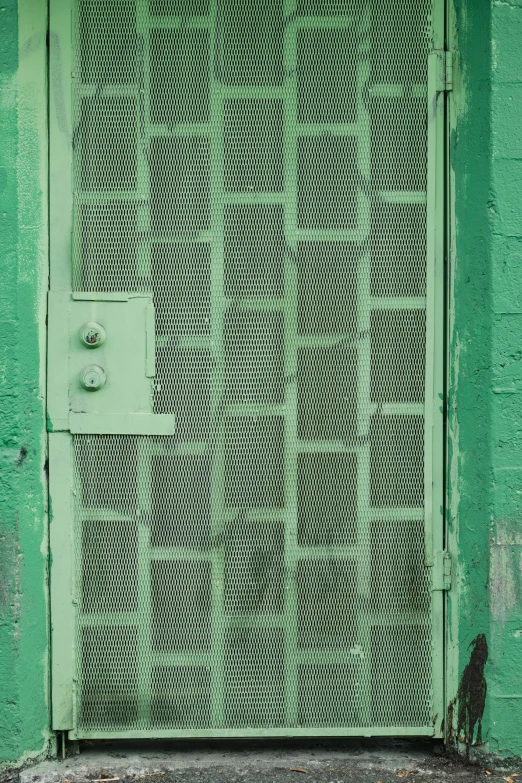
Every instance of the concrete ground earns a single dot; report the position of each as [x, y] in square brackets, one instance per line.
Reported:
[335, 761]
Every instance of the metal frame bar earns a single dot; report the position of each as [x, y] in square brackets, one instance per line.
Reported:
[63, 598]
[62, 582]
[291, 681]
[320, 731]
[121, 424]
[145, 656]
[451, 617]
[60, 144]
[218, 392]
[434, 416]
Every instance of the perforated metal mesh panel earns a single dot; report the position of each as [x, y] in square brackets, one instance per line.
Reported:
[260, 168]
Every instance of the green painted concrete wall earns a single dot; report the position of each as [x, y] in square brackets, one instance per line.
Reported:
[485, 372]
[484, 454]
[469, 362]
[505, 390]
[24, 649]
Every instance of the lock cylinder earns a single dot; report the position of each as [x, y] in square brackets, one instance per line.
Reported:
[93, 377]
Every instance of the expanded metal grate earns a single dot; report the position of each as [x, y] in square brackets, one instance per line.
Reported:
[260, 168]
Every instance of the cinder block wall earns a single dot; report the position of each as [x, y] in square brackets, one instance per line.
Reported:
[484, 684]
[505, 391]
[24, 652]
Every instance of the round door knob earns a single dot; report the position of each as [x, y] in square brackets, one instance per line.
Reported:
[93, 377]
[92, 334]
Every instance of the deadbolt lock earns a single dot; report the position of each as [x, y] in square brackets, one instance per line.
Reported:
[93, 377]
[92, 334]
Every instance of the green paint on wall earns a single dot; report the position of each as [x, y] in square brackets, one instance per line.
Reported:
[24, 700]
[469, 376]
[505, 636]
[485, 480]
[8, 38]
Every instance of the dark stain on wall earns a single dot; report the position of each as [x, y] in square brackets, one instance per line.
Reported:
[21, 457]
[472, 693]
[449, 725]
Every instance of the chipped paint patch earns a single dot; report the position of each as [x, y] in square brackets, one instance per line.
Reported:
[9, 572]
[502, 584]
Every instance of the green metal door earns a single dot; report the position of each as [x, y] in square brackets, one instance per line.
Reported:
[245, 353]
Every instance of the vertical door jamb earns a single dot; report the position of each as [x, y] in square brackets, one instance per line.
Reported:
[63, 636]
[434, 416]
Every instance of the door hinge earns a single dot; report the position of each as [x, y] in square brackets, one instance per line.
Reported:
[443, 67]
[441, 570]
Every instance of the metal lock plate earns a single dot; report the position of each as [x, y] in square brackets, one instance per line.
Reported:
[121, 329]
